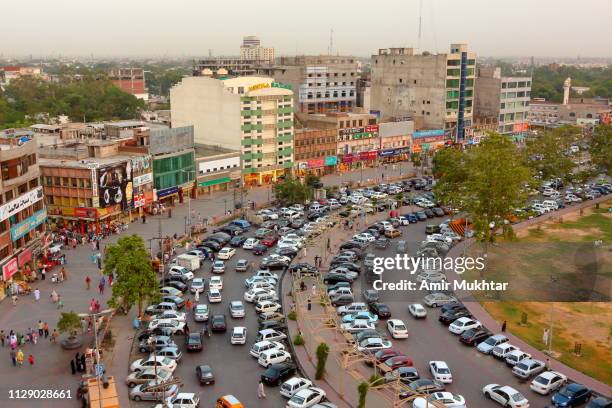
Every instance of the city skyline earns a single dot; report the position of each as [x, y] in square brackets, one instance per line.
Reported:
[195, 29]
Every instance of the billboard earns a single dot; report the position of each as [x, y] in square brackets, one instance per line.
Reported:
[24, 201]
[115, 185]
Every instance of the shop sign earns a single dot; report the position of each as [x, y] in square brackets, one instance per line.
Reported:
[143, 179]
[316, 163]
[428, 139]
[84, 212]
[28, 225]
[9, 269]
[269, 85]
[141, 163]
[331, 160]
[167, 191]
[388, 152]
[24, 257]
[371, 128]
[349, 158]
[94, 184]
[427, 133]
[139, 200]
[20, 203]
[115, 184]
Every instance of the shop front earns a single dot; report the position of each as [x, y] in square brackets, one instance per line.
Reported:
[428, 140]
[208, 185]
[167, 196]
[352, 161]
[394, 155]
[257, 177]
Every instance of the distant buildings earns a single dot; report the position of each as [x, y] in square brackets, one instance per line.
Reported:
[130, 80]
[437, 91]
[250, 114]
[578, 111]
[221, 67]
[9, 73]
[252, 50]
[315, 150]
[504, 98]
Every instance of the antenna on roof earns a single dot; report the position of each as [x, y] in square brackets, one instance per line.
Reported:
[420, 21]
[331, 41]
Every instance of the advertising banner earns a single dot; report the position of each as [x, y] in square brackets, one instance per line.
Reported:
[24, 257]
[167, 191]
[331, 160]
[20, 203]
[146, 178]
[115, 185]
[27, 225]
[316, 163]
[83, 212]
[9, 269]
[139, 200]
[427, 133]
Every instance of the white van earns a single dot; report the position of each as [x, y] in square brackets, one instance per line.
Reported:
[503, 350]
[271, 335]
[262, 346]
[552, 204]
[274, 356]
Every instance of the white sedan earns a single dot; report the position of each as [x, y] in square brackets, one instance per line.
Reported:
[547, 382]
[506, 396]
[397, 328]
[463, 324]
[159, 361]
[364, 236]
[216, 282]
[214, 295]
[417, 310]
[306, 398]
[176, 326]
[440, 371]
[250, 243]
[226, 253]
[448, 399]
[197, 285]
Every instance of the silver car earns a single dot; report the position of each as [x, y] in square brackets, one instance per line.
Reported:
[143, 377]
[236, 309]
[152, 392]
[200, 312]
[171, 352]
[438, 299]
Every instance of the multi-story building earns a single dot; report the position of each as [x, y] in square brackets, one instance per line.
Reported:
[435, 89]
[9, 73]
[130, 80]
[22, 210]
[225, 66]
[578, 111]
[395, 138]
[218, 169]
[315, 150]
[253, 115]
[321, 83]
[506, 98]
[252, 50]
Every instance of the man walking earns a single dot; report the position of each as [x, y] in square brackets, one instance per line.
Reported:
[260, 390]
[41, 328]
[36, 294]
[14, 357]
[102, 284]
[46, 329]
[87, 282]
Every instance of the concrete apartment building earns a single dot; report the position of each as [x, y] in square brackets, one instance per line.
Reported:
[320, 83]
[225, 66]
[252, 50]
[436, 90]
[506, 98]
[218, 169]
[130, 80]
[315, 150]
[250, 114]
[395, 140]
[22, 210]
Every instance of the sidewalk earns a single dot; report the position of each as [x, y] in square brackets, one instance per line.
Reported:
[487, 320]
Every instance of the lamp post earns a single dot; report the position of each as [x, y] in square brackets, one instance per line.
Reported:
[188, 218]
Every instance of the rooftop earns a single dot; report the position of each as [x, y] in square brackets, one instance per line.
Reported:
[209, 150]
[88, 163]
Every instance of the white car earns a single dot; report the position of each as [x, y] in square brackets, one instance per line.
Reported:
[306, 398]
[548, 382]
[528, 368]
[250, 243]
[200, 312]
[218, 267]
[397, 328]
[264, 273]
[431, 277]
[516, 356]
[357, 326]
[252, 294]
[274, 356]
[239, 335]
[236, 308]
[264, 345]
[267, 214]
[171, 314]
[373, 344]
[176, 326]
[159, 361]
[183, 400]
[215, 282]
[197, 285]
[506, 396]
[267, 306]
[214, 295]
[462, 324]
[365, 237]
[440, 371]
[294, 385]
[438, 299]
[226, 253]
[417, 310]
[180, 271]
[447, 399]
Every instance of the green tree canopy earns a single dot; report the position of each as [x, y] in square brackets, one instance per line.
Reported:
[69, 323]
[292, 191]
[547, 153]
[135, 280]
[601, 147]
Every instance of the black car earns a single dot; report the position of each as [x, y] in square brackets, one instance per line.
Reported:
[429, 213]
[210, 245]
[382, 243]
[177, 300]
[314, 215]
[237, 241]
[332, 278]
[274, 264]
[405, 374]
[260, 249]
[352, 244]
[218, 323]
[205, 375]
[278, 373]
[278, 325]
[373, 231]
[378, 227]
[173, 278]
[221, 237]
[231, 230]
[421, 215]
[340, 259]
[303, 268]
[158, 331]
[474, 336]
[367, 334]
[448, 317]
[193, 342]
[599, 402]
[451, 306]
[380, 309]
[290, 252]
[370, 295]
[176, 285]
[439, 212]
[297, 224]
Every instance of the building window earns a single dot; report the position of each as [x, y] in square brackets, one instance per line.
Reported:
[401, 80]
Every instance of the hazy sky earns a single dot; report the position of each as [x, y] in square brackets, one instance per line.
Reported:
[192, 27]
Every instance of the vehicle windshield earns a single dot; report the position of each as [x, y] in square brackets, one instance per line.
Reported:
[541, 380]
[566, 392]
[166, 361]
[490, 341]
[400, 327]
[518, 397]
[298, 400]
[443, 371]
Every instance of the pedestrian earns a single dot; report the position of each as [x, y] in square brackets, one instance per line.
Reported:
[64, 273]
[82, 361]
[14, 299]
[74, 243]
[101, 285]
[46, 329]
[36, 294]
[54, 336]
[110, 279]
[186, 329]
[197, 296]
[98, 244]
[188, 305]
[72, 367]
[14, 357]
[60, 302]
[54, 296]
[2, 338]
[87, 282]
[313, 291]
[20, 357]
[548, 363]
[302, 286]
[503, 326]
[31, 360]
[41, 328]
[545, 336]
[260, 390]
[169, 212]
[43, 274]
[99, 262]
[309, 305]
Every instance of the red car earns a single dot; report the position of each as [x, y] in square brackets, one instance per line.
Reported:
[323, 201]
[270, 240]
[398, 361]
[384, 355]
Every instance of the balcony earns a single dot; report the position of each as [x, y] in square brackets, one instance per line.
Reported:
[250, 142]
[285, 124]
[250, 127]
[32, 173]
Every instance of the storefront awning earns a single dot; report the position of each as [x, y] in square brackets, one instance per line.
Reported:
[214, 182]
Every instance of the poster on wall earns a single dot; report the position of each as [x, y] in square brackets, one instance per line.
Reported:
[115, 185]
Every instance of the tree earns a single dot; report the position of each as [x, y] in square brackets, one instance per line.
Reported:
[69, 323]
[292, 191]
[135, 280]
[451, 168]
[547, 153]
[322, 353]
[313, 181]
[601, 148]
[362, 389]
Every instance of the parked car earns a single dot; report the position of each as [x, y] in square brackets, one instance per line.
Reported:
[151, 391]
[306, 398]
[547, 382]
[528, 368]
[397, 328]
[236, 308]
[193, 342]
[381, 310]
[506, 396]
[571, 395]
[144, 376]
[205, 374]
[239, 335]
[490, 343]
[218, 323]
[440, 371]
[200, 312]
[417, 310]
[293, 385]
[275, 374]
[474, 336]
